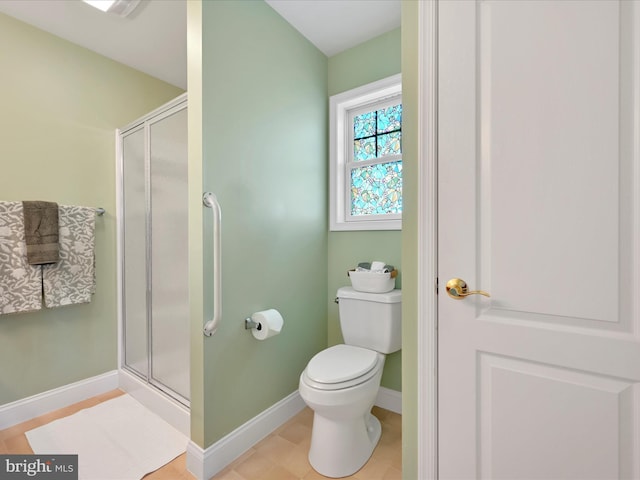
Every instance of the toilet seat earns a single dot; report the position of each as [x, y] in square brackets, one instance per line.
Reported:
[341, 366]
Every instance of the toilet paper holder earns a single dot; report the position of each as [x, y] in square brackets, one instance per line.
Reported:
[264, 324]
[250, 324]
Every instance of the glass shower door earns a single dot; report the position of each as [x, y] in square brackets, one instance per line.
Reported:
[169, 253]
[134, 265]
[155, 303]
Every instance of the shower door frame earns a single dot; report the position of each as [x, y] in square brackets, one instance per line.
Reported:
[144, 123]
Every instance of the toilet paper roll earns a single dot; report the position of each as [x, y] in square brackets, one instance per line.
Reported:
[269, 323]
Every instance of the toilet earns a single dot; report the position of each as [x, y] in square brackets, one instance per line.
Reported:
[340, 383]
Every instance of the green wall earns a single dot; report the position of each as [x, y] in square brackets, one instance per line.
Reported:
[373, 60]
[410, 241]
[60, 107]
[264, 90]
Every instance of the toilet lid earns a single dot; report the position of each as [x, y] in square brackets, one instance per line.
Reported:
[341, 363]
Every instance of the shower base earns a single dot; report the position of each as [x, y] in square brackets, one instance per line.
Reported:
[173, 412]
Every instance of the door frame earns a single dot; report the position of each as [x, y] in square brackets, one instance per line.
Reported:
[427, 223]
[427, 229]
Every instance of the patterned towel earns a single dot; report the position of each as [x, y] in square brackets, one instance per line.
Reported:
[20, 283]
[72, 280]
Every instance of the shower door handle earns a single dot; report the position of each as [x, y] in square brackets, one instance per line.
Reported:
[210, 200]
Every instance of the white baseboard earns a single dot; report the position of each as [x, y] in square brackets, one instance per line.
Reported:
[36, 405]
[204, 464]
[389, 400]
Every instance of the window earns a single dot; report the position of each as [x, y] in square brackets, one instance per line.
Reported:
[366, 157]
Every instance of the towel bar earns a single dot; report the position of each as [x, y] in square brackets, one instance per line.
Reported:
[100, 211]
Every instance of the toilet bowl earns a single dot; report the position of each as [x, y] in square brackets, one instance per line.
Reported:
[340, 385]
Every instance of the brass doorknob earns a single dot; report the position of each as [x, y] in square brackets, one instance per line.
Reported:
[457, 289]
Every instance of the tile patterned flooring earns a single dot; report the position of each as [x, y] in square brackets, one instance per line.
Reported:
[280, 456]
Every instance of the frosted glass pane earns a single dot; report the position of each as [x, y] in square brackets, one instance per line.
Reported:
[364, 149]
[377, 189]
[389, 119]
[135, 253]
[364, 125]
[389, 144]
[169, 253]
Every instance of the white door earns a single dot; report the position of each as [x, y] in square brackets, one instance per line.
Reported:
[539, 205]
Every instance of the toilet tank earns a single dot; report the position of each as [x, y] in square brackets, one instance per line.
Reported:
[371, 320]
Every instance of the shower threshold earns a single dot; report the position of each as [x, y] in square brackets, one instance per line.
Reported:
[169, 409]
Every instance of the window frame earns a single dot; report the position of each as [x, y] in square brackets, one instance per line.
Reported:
[342, 108]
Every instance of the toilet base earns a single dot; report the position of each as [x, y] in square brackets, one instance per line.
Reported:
[340, 448]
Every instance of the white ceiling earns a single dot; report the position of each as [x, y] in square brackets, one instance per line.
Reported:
[336, 25]
[153, 39]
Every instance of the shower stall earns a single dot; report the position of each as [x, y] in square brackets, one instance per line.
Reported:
[153, 263]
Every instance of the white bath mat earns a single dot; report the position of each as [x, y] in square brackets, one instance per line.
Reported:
[116, 440]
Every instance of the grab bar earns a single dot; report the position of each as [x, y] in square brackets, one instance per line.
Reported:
[210, 200]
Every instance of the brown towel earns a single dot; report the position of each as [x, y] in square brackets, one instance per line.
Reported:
[41, 231]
